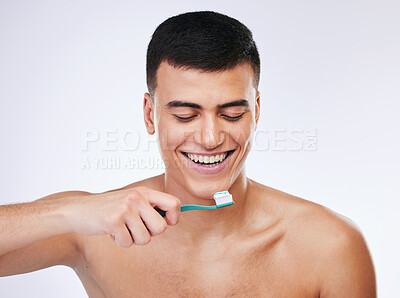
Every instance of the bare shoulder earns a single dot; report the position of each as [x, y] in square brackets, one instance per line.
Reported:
[329, 244]
[344, 262]
[309, 220]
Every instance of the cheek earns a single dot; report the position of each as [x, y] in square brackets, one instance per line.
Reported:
[243, 135]
[170, 135]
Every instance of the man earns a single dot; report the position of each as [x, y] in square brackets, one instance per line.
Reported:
[202, 73]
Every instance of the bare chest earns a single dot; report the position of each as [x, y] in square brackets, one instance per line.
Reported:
[153, 271]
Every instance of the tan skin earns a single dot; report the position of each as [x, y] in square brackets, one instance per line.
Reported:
[268, 244]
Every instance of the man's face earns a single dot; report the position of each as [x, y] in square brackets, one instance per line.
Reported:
[205, 123]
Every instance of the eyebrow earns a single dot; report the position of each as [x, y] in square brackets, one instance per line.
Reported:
[235, 103]
[178, 103]
[241, 102]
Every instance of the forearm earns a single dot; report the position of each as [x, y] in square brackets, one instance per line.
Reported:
[26, 223]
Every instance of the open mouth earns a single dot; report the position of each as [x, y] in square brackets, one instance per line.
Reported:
[207, 160]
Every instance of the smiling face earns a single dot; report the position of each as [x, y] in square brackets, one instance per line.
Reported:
[205, 123]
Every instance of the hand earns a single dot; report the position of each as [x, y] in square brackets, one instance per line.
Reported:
[128, 216]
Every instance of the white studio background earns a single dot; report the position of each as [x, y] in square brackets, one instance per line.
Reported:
[70, 70]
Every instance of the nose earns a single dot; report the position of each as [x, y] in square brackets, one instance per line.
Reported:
[211, 135]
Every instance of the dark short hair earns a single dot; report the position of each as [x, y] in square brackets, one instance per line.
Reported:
[203, 40]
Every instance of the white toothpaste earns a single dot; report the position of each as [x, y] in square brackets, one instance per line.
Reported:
[222, 197]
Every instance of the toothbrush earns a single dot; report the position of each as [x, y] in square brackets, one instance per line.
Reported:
[222, 199]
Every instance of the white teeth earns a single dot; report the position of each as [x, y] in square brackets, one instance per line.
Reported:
[207, 159]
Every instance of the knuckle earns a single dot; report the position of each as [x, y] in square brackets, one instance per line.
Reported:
[121, 240]
[132, 203]
[144, 240]
[147, 240]
[177, 203]
[117, 242]
[175, 221]
[127, 243]
[136, 197]
[161, 228]
[133, 196]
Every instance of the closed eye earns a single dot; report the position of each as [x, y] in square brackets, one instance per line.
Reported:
[185, 119]
[229, 118]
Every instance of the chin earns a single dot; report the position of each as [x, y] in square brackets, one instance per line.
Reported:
[207, 189]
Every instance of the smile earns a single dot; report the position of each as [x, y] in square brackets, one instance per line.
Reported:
[207, 160]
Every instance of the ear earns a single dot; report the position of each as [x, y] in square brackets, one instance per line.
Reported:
[257, 107]
[148, 113]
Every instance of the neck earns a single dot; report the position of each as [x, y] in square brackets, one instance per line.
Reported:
[199, 226]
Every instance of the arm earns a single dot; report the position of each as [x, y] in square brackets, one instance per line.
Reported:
[43, 233]
[348, 270]
[32, 239]
[26, 223]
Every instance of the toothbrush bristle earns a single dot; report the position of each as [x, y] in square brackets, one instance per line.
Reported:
[222, 197]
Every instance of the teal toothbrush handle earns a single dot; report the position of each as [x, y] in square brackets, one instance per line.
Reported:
[198, 207]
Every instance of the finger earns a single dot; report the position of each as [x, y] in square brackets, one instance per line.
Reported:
[122, 236]
[153, 221]
[138, 230]
[169, 203]
[172, 215]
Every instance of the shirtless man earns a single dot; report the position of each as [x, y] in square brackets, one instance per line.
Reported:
[202, 74]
